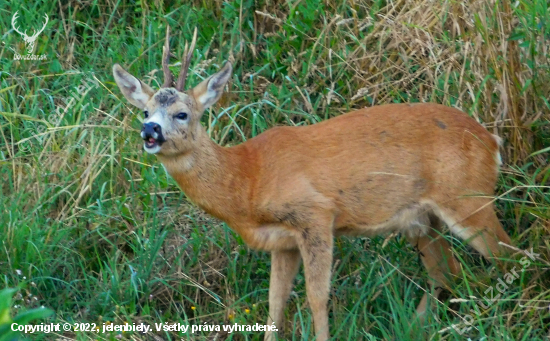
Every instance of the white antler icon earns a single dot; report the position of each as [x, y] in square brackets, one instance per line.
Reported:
[29, 41]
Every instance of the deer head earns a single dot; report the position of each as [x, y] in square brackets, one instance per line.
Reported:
[29, 41]
[172, 116]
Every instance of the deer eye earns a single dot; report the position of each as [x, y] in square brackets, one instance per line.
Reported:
[181, 116]
[146, 113]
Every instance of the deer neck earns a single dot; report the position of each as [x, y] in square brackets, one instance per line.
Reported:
[213, 177]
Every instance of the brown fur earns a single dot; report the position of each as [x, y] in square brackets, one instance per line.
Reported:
[391, 168]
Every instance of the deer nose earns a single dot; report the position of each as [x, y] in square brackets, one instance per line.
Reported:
[149, 130]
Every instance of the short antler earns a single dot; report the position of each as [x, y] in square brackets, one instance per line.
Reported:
[186, 60]
[187, 54]
[168, 78]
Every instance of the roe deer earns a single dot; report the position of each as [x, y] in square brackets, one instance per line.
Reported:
[391, 168]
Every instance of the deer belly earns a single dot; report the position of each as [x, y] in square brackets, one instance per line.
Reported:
[270, 238]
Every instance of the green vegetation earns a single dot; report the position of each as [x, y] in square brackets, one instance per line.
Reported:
[96, 231]
[24, 318]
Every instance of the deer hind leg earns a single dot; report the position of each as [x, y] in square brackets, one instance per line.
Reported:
[474, 220]
[284, 266]
[438, 260]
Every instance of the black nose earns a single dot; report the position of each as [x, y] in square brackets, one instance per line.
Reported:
[149, 130]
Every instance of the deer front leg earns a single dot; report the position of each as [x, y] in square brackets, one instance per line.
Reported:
[316, 250]
[284, 266]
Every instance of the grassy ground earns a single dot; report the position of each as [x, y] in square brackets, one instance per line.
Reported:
[94, 228]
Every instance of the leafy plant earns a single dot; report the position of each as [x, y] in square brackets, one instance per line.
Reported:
[21, 319]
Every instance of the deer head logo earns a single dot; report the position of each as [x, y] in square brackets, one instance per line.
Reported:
[29, 40]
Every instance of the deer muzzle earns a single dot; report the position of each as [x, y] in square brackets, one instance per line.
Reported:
[151, 133]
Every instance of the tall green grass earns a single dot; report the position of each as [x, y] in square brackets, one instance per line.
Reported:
[99, 232]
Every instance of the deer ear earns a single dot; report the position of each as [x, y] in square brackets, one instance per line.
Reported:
[209, 91]
[135, 91]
